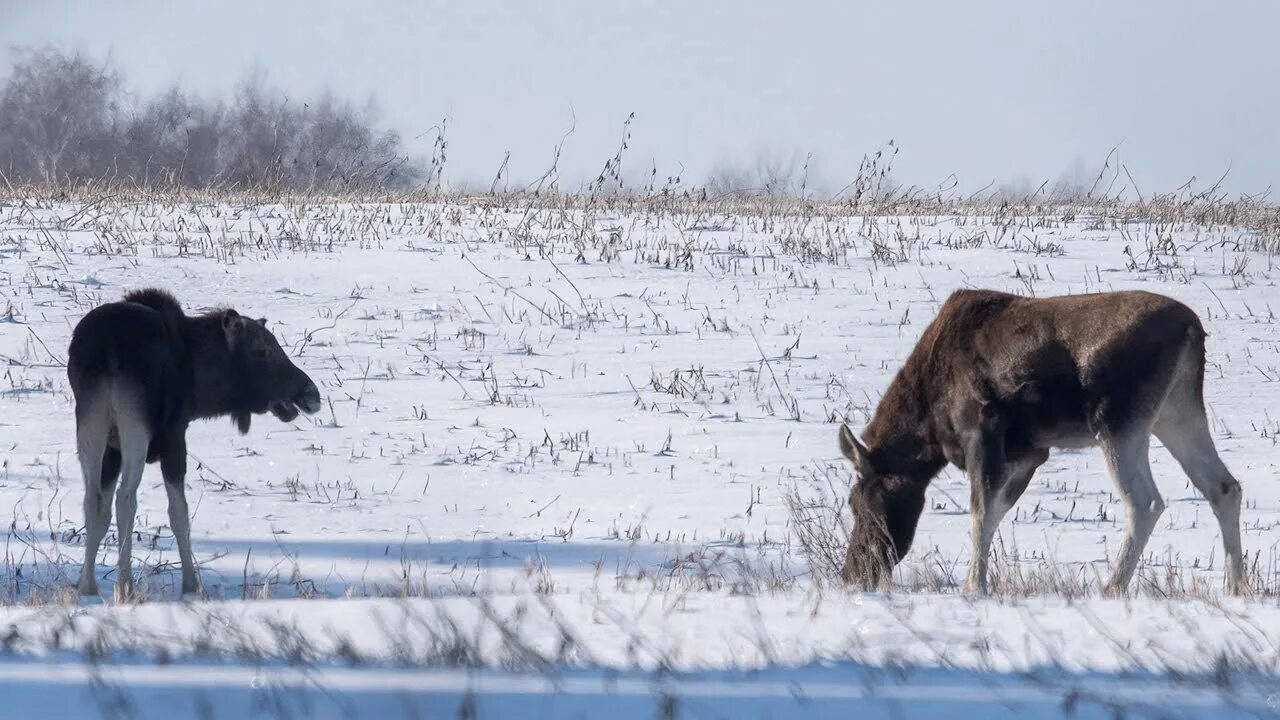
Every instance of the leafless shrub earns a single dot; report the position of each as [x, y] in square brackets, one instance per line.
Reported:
[820, 524]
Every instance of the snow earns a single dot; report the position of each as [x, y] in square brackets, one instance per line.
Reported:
[547, 424]
[835, 692]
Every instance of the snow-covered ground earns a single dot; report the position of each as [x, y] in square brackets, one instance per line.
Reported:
[552, 472]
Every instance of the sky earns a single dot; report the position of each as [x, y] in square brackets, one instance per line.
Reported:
[1002, 90]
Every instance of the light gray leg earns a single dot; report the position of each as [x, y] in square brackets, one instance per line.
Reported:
[174, 467]
[92, 426]
[985, 511]
[134, 441]
[96, 529]
[990, 508]
[1186, 436]
[1130, 468]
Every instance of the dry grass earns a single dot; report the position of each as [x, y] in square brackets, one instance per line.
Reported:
[794, 216]
[820, 523]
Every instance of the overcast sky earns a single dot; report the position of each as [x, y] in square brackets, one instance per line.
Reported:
[994, 90]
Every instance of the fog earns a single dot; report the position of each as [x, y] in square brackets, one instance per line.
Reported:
[999, 91]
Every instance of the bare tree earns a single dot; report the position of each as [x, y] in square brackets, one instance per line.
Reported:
[261, 127]
[340, 146]
[58, 116]
[770, 174]
[173, 139]
[61, 119]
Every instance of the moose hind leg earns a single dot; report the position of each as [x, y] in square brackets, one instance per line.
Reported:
[173, 465]
[98, 464]
[98, 507]
[1185, 433]
[134, 441]
[1130, 469]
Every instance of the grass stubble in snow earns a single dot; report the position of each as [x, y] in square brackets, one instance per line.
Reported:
[579, 459]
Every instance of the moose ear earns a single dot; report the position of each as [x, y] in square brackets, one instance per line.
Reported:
[857, 453]
[231, 323]
[262, 322]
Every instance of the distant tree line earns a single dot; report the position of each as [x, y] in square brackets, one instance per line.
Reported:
[65, 118]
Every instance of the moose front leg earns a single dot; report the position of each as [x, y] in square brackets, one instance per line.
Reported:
[173, 465]
[991, 508]
[996, 481]
[986, 481]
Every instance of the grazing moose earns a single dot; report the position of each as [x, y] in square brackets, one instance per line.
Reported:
[141, 370]
[997, 380]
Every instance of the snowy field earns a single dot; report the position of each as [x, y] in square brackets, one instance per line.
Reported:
[566, 457]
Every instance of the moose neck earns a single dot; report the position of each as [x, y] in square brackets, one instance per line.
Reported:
[901, 437]
[214, 390]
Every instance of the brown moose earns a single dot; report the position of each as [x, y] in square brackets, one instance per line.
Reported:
[997, 380]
